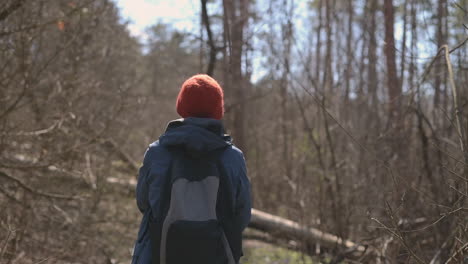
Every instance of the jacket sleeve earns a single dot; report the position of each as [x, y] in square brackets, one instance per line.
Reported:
[142, 187]
[243, 200]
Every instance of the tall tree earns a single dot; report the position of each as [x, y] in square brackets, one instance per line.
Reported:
[349, 51]
[209, 33]
[372, 75]
[440, 75]
[287, 36]
[393, 83]
[236, 13]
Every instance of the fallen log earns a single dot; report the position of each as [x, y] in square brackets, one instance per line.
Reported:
[282, 227]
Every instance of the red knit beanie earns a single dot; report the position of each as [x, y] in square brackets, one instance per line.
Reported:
[200, 96]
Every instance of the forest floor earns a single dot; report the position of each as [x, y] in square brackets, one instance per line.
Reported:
[257, 252]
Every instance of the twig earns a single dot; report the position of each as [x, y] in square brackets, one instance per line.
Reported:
[454, 173]
[455, 97]
[435, 222]
[43, 260]
[456, 253]
[449, 155]
[10, 9]
[426, 72]
[458, 191]
[12, 198]
[113, 147]
[50, 22]
[459, 6]
[33, 133]
[229, 107]
[436, 257]
[416, 257]
[6, 242]
[31, 190]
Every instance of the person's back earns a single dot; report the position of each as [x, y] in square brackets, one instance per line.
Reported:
[193, 173]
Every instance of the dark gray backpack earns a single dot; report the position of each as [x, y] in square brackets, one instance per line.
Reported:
[189, 231]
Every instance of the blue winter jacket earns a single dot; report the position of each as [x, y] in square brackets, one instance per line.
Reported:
[195, 135]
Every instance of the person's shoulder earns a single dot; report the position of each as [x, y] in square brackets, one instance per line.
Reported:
[233, 152]
[236, 150]
[154, 145]
[234, 162]
[157, 155]
[155, 148]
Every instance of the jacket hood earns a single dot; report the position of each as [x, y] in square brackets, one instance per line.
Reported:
[195, 135]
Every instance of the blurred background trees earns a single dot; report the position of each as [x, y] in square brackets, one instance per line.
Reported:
[353, 116]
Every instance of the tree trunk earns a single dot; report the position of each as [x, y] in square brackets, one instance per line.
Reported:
[287, 31]
[211, 44]
[237, 17]
[393, 84]
[403, 44]
[372, 55]
[349, 56]
[440, 42]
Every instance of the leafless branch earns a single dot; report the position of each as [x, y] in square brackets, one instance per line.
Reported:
[31, 190]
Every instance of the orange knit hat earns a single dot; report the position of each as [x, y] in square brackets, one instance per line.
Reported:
[200, 96]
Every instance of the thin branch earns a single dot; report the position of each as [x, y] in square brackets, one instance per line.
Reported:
[458, 191]
[454, 173]
[12, 198]
[455, 98]
[113, 147]
[231, 106]
[50, 22]
[12, 8]
[460, 250]
[31, 190]
[459, 6]
[438, 54]
[449, 155]
[10, 232]
[33, 133]
[435, 222]
[395, 234]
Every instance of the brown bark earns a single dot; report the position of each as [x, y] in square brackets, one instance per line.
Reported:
[237, 17]
[327, 77]
[287, 31]
[10, 9]
[414, 39]
[318, 53]
[393, 83]
[440, 42]
[213, 48]
[403, 44]
[372, 55]
[349, 51]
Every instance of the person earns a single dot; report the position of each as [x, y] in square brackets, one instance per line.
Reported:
[190, 145]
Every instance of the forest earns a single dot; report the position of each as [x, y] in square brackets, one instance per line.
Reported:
[352, 116]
